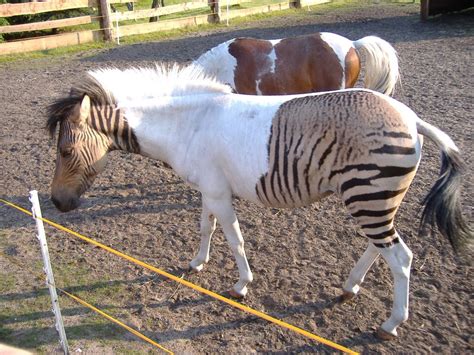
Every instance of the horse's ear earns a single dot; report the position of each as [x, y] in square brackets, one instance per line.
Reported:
[85, 108]
[81, 111]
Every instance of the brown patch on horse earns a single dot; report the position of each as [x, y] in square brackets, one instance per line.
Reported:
[352, 68]
[299, 63]
[297, 69]
[252, 58]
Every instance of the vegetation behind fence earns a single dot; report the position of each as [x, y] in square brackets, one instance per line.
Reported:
[48, 24]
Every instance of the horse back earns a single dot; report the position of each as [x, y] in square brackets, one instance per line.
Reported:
[310, 63]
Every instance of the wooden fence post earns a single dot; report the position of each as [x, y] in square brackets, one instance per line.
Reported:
[105, 21]
[215, 16]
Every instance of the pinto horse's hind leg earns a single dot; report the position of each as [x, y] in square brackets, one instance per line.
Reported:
[356, 277]
[223, 210]
[399, 258]
[208, 226]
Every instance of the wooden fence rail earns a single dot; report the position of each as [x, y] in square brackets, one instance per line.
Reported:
[32, 8]
[110, 26]
[139, 14]
[46, 25]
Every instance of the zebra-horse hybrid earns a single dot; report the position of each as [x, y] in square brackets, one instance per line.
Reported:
[278, 151]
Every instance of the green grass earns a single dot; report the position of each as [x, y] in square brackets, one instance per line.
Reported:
[26, 319]
[23, 317]
[57, 52]
[32, 315]
[7, 282]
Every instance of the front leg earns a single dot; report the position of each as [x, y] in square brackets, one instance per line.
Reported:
[223, 210]
[208, 226]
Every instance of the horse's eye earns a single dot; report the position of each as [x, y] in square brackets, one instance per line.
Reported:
[66, 152]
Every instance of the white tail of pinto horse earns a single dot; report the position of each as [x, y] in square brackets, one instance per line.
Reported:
[381, 70]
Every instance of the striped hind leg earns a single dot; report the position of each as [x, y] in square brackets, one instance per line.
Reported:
[398, 257]
[384, 240]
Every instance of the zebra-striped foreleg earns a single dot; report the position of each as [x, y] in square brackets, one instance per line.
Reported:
[208, 226]
[356, 277]
[399, 258]
[223, 210]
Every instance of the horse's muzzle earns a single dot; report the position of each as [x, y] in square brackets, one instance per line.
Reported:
[66, 205]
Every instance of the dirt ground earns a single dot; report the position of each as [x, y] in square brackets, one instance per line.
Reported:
[300, 258]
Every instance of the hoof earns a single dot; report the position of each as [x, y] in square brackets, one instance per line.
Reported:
[346, 297]
[194, 270]
[234, 294]
[384, 335]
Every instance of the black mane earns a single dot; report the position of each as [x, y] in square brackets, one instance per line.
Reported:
[61, 108]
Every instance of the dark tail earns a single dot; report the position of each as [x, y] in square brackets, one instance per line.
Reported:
[442, 204]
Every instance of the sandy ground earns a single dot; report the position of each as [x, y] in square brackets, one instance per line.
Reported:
[300, 258]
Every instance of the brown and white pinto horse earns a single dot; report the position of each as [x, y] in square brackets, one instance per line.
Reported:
[310, 63]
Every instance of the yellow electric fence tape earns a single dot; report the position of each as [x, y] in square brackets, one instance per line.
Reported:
[193, 286]
[84, 303]
[131, 330]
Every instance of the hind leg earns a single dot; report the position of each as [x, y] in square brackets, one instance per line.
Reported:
[384, 240]
[398, 258]
[356, 277]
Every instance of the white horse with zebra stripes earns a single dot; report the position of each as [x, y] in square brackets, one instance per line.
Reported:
[276, 151]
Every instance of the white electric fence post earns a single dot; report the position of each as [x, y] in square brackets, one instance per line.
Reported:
[227, 14]
[117, 27]
[48, 270]
[219, 10]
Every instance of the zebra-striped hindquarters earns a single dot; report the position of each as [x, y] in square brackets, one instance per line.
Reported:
[319, 145]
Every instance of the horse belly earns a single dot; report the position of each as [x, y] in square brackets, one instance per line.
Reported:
[243, 146]
[294, 203]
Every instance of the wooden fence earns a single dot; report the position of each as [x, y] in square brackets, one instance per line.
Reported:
[110, 25]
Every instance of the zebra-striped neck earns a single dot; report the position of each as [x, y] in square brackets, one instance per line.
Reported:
[110, 121]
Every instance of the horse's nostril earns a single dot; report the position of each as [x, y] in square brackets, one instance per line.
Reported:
[65, 206]
[74, 203]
